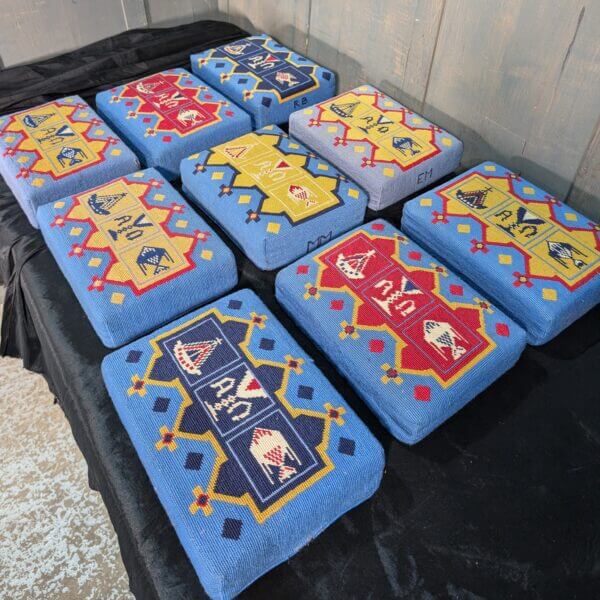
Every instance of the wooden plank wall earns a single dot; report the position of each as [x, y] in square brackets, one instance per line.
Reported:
[517, 80]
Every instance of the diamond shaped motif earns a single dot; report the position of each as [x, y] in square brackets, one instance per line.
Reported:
[133, 356]
[266, 344]
[234, 304]
[346, 446]
[422, 393]
[305, 392]
[376, 346]
[193, 461]
[502, 329]
[117, 298]
[337, 304]
[232, 529]
[95, 262]
[161, 404]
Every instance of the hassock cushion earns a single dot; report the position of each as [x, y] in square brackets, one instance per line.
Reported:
[267, 79]
[135, 254]
[250, 449]
[388, 149]
[275, 198]
[167, 116]
[535, 256]
[58, 149]
[415, 341]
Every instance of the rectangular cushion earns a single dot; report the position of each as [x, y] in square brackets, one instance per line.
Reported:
[135, 254]
[57, 149]
[388, 149]
[250, 449]
[265, 78]
[536, 257]
[415, 341]
[169, 115]
[276, 199]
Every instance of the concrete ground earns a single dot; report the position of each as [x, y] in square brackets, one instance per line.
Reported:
[56, 540]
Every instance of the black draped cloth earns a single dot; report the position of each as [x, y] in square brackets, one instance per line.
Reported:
[502, 501]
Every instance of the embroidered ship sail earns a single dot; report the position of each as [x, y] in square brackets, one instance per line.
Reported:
[192, 356]
[101, 204]
[34, 121]
[475, 198]
[344, 110]
[237, 151]
[147, 87]
[353, 266]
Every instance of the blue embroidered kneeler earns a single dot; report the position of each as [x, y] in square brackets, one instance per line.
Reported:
[535, 256]
[57, 149]
[265, 78]
[415, 341]
[389, 150]
[169, 115]
[251, 451]
[275, 198]
[135, 254]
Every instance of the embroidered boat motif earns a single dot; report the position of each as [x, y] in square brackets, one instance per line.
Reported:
[34, 121]
[353, 266]
[474, 198]
[192, 356]
[101, 204]
[345, 110]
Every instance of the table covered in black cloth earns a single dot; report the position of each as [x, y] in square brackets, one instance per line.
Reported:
[502, 501]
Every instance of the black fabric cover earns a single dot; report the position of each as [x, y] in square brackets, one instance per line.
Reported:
[501, 501]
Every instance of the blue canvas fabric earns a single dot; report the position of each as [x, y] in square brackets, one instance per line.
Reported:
[135, 254]
[251, 451]
[57, 149]
[415, 341]
[265, 78]
[275, 198]
[168, 115]
[535, 256]
[385, 147]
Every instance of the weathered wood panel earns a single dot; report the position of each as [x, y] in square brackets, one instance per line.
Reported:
[286, 20]
[32, 29]
[384, 42]
[165, 13]
[585, 192]
[519, 82]
[135, 15]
